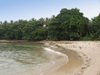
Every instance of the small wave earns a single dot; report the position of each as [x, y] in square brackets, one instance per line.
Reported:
[56, 52]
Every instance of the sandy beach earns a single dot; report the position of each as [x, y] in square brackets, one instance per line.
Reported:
[90, 53]
[83, 58]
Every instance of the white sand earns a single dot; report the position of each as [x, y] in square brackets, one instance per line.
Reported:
[90, 51]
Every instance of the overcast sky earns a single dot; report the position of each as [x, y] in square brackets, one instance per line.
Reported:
[27, 9]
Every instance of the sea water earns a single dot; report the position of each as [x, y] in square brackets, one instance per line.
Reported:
[25, 58]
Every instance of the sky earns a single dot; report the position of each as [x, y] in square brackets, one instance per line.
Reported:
[27, 9]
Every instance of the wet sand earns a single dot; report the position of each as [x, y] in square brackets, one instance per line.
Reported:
[84, 58]
[74, 64]
[89, 51]
[64, 61]
[86, 51]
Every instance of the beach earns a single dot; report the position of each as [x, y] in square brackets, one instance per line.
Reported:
[90, 53]
[71, 58]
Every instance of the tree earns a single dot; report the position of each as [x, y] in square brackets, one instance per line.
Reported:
[96, 27]
[68, 25]
[34, 30]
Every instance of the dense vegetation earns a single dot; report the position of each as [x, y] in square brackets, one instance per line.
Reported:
[69, 24]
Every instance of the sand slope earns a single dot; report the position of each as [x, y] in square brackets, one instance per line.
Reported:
[90, 51]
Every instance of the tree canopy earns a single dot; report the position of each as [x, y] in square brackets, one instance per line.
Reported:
[69, 24]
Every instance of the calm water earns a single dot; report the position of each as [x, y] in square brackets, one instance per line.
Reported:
[22, 58]
[30, 58]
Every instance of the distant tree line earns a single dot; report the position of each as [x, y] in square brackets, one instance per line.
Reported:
[69, 24]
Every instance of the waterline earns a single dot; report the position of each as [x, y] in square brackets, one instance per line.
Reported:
[58, 53]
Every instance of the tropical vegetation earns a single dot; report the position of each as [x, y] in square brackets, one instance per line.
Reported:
[69, 24]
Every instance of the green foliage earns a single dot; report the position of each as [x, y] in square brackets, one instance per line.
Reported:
[95, 27]
[34, 30]
[23, 30]
[69, 24]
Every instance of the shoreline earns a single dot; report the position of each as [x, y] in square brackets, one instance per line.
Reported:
[75, 60]
[48, 41]
[78, 70]
[89, 51]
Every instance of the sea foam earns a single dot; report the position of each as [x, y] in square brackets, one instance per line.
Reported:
[56, 52]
